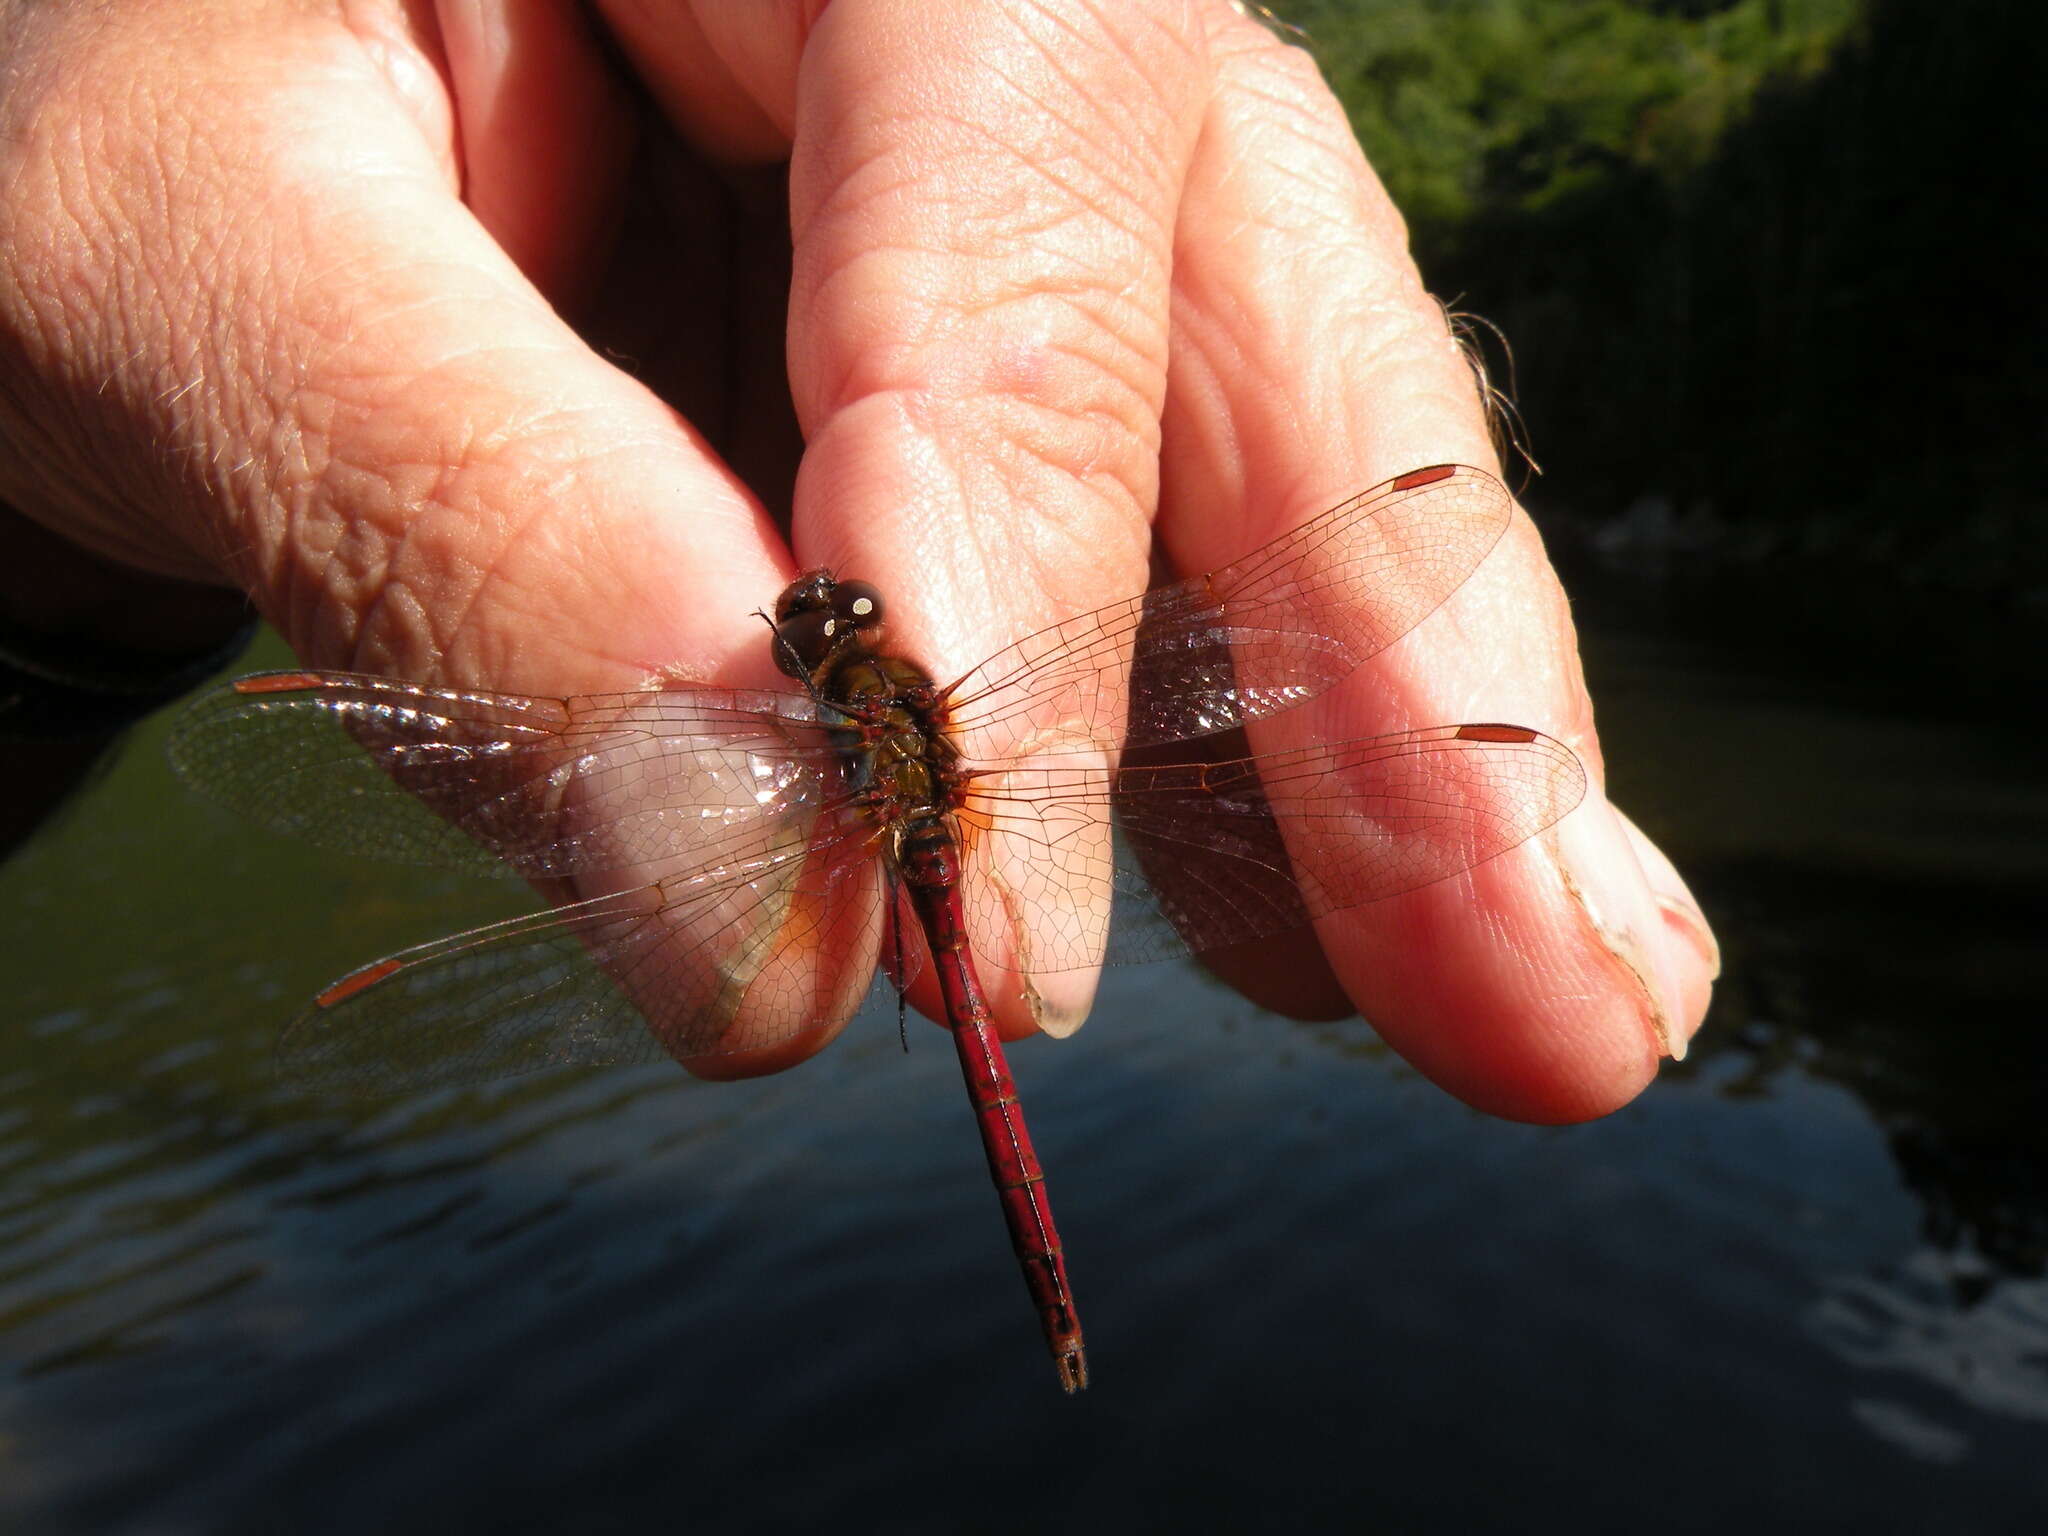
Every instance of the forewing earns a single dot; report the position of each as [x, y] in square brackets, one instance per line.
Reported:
[1213, 652]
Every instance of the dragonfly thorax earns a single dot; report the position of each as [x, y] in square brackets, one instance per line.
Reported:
[909, 756]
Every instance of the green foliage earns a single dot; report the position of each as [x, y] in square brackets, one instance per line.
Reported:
[1471, 106]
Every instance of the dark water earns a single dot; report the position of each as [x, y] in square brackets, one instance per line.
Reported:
[1798, 1284]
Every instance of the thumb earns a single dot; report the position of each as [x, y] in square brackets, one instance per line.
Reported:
[262, 339]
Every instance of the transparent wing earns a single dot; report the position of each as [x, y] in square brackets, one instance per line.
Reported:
[1212, 652]
[1193, 856]
[493, 783]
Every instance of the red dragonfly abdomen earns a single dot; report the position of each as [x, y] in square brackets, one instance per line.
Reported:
[928, 859]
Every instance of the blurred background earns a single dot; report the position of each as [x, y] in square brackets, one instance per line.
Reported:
[1770, 269]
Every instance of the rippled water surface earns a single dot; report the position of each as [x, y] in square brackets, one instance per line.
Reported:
[1800, 1281]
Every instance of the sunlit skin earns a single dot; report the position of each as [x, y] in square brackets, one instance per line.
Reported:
[331, 302]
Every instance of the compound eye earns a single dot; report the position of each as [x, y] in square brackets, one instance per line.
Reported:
[803, 641]
[813, 589]
[859, 603]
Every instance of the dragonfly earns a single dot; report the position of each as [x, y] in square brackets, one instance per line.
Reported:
[733, 867]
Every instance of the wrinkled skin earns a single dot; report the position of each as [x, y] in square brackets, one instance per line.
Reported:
[464, 339]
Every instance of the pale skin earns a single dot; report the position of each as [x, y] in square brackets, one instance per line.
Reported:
[312, 299]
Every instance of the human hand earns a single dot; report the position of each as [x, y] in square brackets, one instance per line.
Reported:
[285, 296]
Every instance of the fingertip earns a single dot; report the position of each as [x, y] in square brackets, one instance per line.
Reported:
[1532, 989]
[763, 1061]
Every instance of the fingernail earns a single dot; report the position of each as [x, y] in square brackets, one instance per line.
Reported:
[1692, 955]
[1056, 1017]
[1601, 868]
[1691, 924]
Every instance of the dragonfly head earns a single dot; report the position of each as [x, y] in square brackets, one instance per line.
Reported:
[818, 616]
